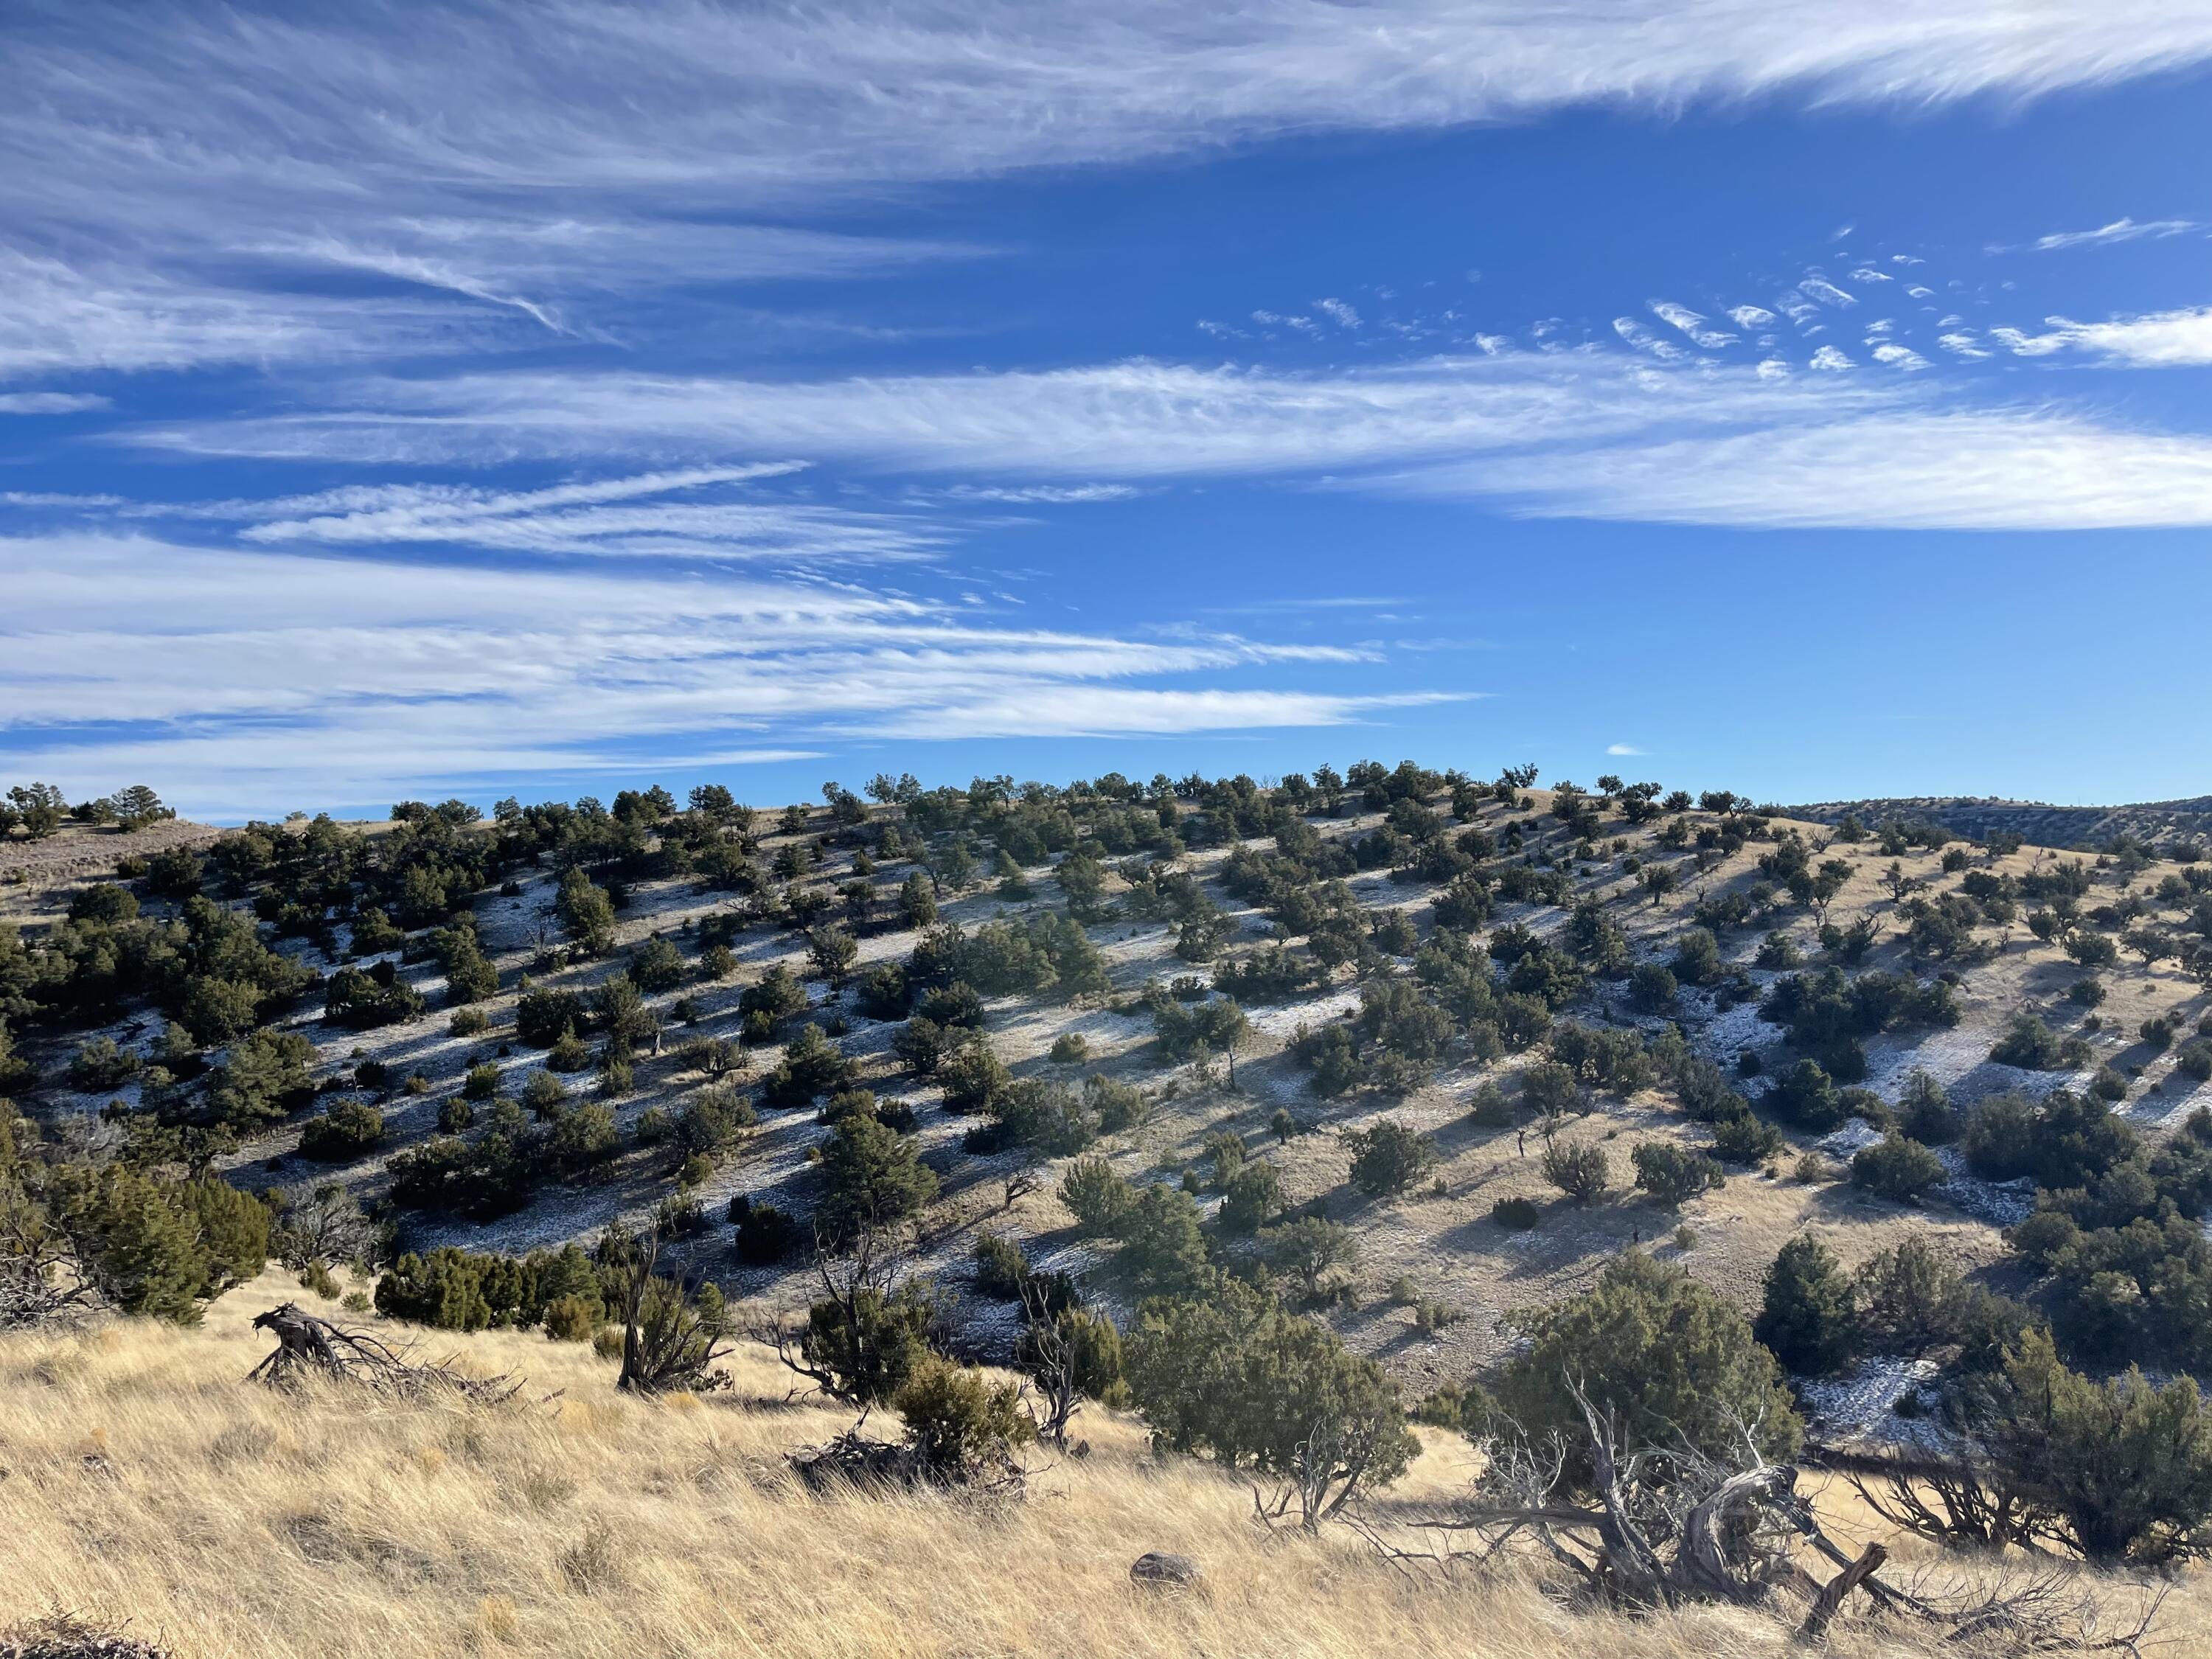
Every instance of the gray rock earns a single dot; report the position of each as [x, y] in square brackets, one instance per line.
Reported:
[1159, 1567]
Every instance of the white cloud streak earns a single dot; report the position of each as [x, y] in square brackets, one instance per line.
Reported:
[189, 175]
[50, 403]
[1692, 324]
[250, 679]
[2120, 230]
[1998, 470]
[1464, 426]
[2164, 339]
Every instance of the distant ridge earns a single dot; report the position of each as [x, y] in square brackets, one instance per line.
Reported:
[2035, 821]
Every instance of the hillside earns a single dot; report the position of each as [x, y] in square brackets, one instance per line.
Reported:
[1417, 1059]
[1440, 1236]
[2078, 828]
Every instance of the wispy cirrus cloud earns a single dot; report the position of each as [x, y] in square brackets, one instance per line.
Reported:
[50, 403]
[2000, 469]
[198, 176]
[252, 679]
[691, 513]
[2120, 230]
[1597, 428]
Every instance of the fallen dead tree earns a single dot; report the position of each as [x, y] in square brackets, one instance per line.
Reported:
[1643, 1528]
[855, 1460]
[307, 1346]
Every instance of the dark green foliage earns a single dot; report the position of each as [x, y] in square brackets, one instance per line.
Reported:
[1115, 1105]
[1248, 1197]
[1098, 1198]
[1488, 1108]
[1517, 1215]
[884, 993]
[1087, 1343]
[160, 1248]
[1672, 1173]
[587, 913]
[1218, 1023]
[233, 1229]
[1162, 1246]
[100, 1064]
[2032, 1045]
[470, 975]
[1744, 1138]
[1603, 1058]
[656, 966]
[711, 1121]
[871, 1177]
[1697, 958]
[2126, 1466]
[956, 1006]
[776, 996]
[1809, 1315]
[147, 1256]
[973, 1077]
[1578, 1169]
[1674, 1363]
[348, 1130]
[1807, 1097]
[466, 1291]
[921, 1045]
[2066, 1141]
[812, 1067]
[1925, 1112]
[542, 1015]
[262, 1080]
[1652, 987]
[1307, 1247]
[359, 1000]
[864, 1344]
[959, 1424]
[1044, 1115]
[1896, 1168]
[765, 1234]
[1000, 1272]
[1388, 1159]
[1828, 1013]
[1241, 1379]
[1911, 1300]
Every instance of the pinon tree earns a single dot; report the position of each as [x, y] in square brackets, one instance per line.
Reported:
[1809, 1314]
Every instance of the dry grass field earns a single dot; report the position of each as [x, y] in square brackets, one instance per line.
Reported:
[142, 1480]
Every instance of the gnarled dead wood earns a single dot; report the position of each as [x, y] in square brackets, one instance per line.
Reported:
[309, 1347]
[1829, 1601]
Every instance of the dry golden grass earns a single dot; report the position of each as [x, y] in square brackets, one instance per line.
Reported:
[145, 1480]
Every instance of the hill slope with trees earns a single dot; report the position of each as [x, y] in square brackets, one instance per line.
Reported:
[1652, 1144]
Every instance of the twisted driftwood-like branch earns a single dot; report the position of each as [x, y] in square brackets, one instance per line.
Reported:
[1652, 1527]
[307, 1346]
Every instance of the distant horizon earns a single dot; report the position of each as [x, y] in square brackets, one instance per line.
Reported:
[605, 789]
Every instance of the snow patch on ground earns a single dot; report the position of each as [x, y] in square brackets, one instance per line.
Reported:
[1852, 1138]
[1859, 1408]
[2000, 1203]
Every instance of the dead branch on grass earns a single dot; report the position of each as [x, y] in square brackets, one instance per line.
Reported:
[310, 1347]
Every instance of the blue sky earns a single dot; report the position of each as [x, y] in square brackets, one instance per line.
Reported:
[493, 399]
